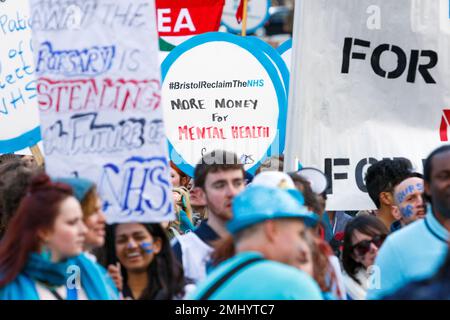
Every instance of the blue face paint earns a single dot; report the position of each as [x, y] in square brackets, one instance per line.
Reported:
[407, 211]
[419, 187]
[147, 247]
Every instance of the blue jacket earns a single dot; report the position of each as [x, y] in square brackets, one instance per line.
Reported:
[262, 280]
[413, 253]
[94, 280]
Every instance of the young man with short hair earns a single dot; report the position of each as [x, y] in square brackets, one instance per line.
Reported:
[218, 177]
[408, 196]
[380, 179]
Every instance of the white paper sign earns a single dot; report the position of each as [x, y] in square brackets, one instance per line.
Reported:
[222, 91]
[371, 80]
[19, 115]
[99, 98]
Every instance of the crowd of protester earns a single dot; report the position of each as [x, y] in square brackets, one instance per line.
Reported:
[234, 236]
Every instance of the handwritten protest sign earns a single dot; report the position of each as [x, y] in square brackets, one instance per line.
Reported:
[19, 115]
[370, 81]
[99, 98]
[257, 15]
[221, 91]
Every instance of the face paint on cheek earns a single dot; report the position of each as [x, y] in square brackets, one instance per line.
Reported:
[147, 247]
[407, 211]
[419, 187]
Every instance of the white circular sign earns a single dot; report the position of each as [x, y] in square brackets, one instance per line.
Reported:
[221, 91]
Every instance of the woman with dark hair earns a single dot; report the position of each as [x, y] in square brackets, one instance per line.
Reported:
[148, 269]
[363, 236]
[40, 255]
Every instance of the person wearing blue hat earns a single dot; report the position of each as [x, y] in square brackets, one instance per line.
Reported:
[267, 226]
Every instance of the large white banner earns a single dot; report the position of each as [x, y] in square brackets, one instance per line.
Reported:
[370, 80]
[19, 114]
[99, 98]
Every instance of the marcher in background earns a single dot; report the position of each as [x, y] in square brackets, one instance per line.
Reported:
[417, 251]
[15, 179]
[268, 227]
[93, 216]
[42, 249]
[363, 237]
[198, 204]
[147, 270]
[380, 179]
[408, 196]
[219, 177]
[183, 213]
[318, 265]
[179, 178]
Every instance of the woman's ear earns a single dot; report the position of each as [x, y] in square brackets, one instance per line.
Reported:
[387, 198]
[157, 245]
[44, 235]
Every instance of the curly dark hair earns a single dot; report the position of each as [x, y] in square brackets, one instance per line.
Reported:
[383, 175]
[16, 177]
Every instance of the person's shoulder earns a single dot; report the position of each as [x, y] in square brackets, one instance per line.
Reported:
[419, 290]
[283, 273]
[407, 234]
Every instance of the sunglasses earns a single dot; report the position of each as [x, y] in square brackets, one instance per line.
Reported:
[362, 247]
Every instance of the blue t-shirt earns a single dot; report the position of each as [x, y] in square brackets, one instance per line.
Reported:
[413, 253]
[262, 280]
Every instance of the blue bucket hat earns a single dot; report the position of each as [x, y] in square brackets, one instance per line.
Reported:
[260, 203]
[80, 186]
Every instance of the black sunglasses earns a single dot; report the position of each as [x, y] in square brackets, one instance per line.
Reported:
[362, 247]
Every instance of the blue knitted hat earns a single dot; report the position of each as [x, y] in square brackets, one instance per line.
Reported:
[80, 186]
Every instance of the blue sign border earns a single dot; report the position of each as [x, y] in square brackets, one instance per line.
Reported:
[285, 46]
[265, 62]
[252, 30]
[276, 58]
[25, 140]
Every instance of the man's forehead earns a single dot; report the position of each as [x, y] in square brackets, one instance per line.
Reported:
[414, 181]
[441, 162]
[224, 175]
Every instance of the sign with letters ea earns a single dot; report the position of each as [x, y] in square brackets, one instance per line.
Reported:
[19, 114]
[100, 102]
[221, 91]
[371, 81]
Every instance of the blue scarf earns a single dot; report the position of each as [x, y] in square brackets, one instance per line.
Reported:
[94, 279]
[40, 268]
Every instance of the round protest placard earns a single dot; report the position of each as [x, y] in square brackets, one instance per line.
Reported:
[285, 51]
[276, 59]
[221, 91]
[19, 114]
[257, 15]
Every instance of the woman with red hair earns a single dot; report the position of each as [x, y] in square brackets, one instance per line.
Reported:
[40, 255]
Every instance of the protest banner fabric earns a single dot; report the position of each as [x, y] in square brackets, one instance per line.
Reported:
[99, 99]
[370, 80]
[19, 115]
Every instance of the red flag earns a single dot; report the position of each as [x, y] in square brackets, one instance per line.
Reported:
[240, 12]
